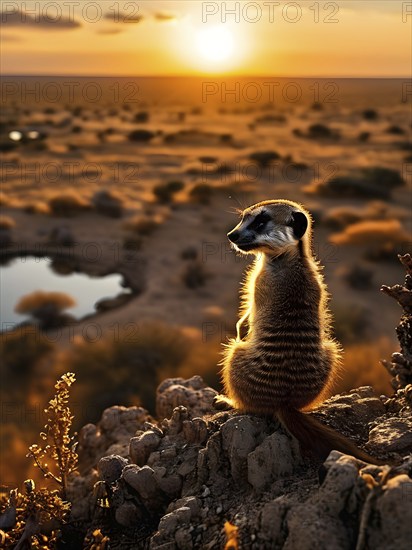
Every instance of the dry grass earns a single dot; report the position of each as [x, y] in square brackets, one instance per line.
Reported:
[126, 367]
[7, 223]
[362, 367]
[36, 301]
[384, 232]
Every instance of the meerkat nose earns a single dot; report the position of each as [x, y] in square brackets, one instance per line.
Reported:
[233, 236]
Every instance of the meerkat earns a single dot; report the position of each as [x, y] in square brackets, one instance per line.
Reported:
[286, 359]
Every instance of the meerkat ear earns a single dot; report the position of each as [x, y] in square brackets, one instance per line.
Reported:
[299, 224]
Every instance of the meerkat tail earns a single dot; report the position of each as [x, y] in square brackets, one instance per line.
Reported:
[317, 438]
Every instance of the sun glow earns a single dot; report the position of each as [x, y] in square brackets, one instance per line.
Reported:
[215, 44]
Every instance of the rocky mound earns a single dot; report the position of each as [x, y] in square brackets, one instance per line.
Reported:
[207, 479]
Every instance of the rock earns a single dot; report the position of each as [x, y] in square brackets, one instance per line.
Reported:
[393, 527]
[169, 522]
[277, 457]
[121, 422]
[110, 468]
[393, 434]
[141, 447]
[240, 436]
[272, 520]
[141, 480]
[128, 514]
[192, 394]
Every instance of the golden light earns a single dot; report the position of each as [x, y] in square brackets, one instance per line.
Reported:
[215, 44]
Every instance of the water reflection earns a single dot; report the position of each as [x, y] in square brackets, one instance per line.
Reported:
[24, 275]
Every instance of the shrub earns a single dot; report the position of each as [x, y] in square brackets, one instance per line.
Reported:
[351, 322]
[164, 191]
[189, 253]
[46, 307]
[395, 130]
[374, 182]
[36, 207]
[341, 216]
[370, 114]
[132, 244]
[128, 364]
[21, 350]
[142, 225]
[364, 136]
[6, 223]
[201, 193]
[264, 158]
[358, 277]
[108, 203]
[362, 366]
[141, 135]
[319, 131]
[67, 204]
[142, 116]
[194, 275]
[34, 519]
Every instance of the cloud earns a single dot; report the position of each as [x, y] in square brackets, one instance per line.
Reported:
[10, 38]
[109, 31]
[18, 18]
[124, 17]
[164, 17]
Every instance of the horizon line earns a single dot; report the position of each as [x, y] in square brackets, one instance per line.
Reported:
[203, 76]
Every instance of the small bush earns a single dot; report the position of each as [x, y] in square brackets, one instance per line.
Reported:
[264, 158]
[362, 366]
[34, 519]
[194, 275]
[395, 130]
[370, 114]
[142, 225]
[341, 216]
[67, 204]
[189, 253]
[141, 136]
[358, 277]
[21, 351]
[36, 207]
[142, 116]
[164, 191]
[46, 307]
[108, 203]
[128, 366]
[351, 322]
[201, 193]
[133, 244]
[320, 131]
[374, 182]
[6, 223]
[364, 136]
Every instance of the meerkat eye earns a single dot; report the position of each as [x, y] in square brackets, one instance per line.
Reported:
[259, 222]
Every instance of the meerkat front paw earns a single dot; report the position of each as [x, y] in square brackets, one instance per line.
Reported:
[222, 403]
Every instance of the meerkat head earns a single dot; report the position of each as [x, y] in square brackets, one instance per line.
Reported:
[271, 227]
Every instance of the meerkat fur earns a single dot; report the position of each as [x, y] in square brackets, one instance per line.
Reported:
[283, 359]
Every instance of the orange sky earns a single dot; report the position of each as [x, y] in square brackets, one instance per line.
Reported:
[342, 38]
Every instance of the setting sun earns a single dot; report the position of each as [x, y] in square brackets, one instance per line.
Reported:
[215, 44]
